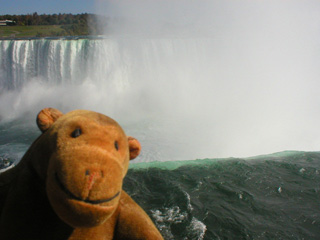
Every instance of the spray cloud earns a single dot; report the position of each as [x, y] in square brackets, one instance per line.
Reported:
[190, 79]
[243, 74]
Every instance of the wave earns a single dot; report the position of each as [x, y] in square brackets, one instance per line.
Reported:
[172, 165]
[269, 197]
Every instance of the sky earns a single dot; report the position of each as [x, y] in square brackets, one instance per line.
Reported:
[46, 6]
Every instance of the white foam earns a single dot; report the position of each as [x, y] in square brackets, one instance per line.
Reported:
[197, 227]
[167, 216]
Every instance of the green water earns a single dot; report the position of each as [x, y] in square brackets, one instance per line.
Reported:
[274, 196]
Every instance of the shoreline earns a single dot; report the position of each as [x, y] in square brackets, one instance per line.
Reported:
[95, 37]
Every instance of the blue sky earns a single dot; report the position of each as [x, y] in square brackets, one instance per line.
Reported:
[46, 6]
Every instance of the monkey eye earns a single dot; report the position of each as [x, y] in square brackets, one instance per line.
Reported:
[116, 145]
[76, 133]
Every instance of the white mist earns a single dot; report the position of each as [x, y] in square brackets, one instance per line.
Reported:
[239, 79]
[189, 79]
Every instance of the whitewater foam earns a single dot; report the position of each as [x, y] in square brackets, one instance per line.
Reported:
[165, 217]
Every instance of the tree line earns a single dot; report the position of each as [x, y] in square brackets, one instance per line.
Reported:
[73, 24]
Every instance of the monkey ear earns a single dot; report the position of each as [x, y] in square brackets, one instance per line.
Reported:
[134, 147]
[47, 117]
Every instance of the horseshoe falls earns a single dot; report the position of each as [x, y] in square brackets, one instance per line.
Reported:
[183, 98]
[225, 103]
[135, 81]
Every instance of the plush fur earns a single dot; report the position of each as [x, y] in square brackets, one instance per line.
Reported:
[69, 183]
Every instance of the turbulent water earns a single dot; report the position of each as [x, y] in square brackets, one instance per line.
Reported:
[268, 197]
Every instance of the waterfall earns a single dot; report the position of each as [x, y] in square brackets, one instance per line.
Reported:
[136, 81]
[50, 61]
[184, 98]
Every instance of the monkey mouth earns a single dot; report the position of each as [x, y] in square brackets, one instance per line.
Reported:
[71, 195]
